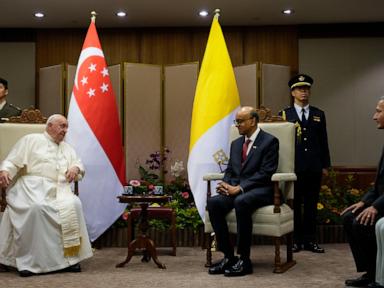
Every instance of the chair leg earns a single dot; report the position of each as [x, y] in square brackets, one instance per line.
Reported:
[289, 247]
[208, 244]
[277, 254]
[282, 267]
[173, 231]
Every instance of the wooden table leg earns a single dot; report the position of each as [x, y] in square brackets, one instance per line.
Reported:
[143, 242]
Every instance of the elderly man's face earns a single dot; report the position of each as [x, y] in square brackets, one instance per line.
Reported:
[379, 115]
[57, 129]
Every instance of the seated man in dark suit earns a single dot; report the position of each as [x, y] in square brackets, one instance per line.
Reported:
[361, 217]
[246, 186]
[6, 110]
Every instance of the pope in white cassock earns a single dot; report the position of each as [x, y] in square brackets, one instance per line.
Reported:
[43, 227]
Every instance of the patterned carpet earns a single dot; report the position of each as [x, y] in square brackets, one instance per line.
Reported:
[187, 270]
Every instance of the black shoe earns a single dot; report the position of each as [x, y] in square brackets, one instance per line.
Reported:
[362, 281]
[26, 273]
[73, 268]
[4, 268]
[241, 268]
[314, 247]
[219, 267]
[375, 285]
[296, 248]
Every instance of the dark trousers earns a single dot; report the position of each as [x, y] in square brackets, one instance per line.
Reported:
[307, 189]
[245, 204]
[362, 240]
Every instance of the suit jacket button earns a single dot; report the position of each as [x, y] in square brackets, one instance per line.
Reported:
[305, 149]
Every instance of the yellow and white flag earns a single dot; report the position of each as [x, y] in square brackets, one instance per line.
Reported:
[215, 105]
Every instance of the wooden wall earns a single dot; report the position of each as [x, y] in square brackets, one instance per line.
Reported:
[276, 45]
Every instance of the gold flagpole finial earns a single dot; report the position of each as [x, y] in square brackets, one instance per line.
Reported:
[93, 16]
[217, 13]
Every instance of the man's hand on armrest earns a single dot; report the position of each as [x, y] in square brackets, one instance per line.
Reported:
[5, 179]
[72, 173]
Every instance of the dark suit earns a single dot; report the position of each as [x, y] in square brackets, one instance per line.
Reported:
[362, 238]
[9, 110]
[311, 156]
[254, 176]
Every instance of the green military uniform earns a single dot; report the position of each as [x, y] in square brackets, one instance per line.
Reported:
[8, 111]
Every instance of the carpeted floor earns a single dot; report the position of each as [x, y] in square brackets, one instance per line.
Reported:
[187, 270]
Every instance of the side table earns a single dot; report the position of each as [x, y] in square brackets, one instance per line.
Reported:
[143, 241]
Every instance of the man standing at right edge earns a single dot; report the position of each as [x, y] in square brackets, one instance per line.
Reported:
[312, 160]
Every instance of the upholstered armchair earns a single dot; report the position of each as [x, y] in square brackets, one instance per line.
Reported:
[274, 220]
[30, 121]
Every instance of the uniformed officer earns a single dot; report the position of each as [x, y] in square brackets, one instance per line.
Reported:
[6, 109]
[312, 160]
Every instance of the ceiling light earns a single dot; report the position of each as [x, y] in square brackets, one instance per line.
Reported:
[288, 11]
[203, 13]
[121, 14]
[39, 15]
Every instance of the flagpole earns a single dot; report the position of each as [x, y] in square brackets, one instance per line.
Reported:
[93, 16]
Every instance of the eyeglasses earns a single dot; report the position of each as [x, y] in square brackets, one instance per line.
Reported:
[239, 121]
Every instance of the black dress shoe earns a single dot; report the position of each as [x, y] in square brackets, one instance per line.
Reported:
[241, 268]
[26, 273]
[4, 268]
[73, 268]
[219, 267]
[314, 247]
[374, 285]
[362, 281]
[296, 248]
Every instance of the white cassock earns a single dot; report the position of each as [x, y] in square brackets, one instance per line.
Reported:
[42, 228]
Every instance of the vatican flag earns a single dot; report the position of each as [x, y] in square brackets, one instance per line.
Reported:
[215, 105]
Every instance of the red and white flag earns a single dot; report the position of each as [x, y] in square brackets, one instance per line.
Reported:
[94, 131]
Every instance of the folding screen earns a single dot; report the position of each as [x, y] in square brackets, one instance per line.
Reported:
[51, 90]
[142, 121]
[115, 75]
[274, 87]
[247, 84]
[179, 91]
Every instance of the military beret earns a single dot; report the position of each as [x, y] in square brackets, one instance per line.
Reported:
[300, 80]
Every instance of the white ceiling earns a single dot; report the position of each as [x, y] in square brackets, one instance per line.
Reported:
[144, 13]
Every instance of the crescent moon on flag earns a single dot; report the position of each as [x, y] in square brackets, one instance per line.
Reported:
[86, 53]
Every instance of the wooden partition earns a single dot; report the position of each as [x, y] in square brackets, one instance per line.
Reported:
[179, 92]
[142, 121]
[248, 84]
[51, 96]
[274, 90]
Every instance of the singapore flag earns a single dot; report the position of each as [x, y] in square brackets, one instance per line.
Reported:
[95, 133]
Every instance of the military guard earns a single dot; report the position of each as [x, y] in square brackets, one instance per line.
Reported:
[312, 160]
[6, 109]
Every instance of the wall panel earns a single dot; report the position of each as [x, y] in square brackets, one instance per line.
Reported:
[179, 92]
[142, 121]
[275, 92]
[247, 84]
[51, 96]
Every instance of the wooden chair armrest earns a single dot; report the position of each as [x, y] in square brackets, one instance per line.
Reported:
[289, 178]
[76, 184]
[3, 202]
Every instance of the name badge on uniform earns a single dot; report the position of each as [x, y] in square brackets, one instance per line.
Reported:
[254, 147]
[316, 118]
